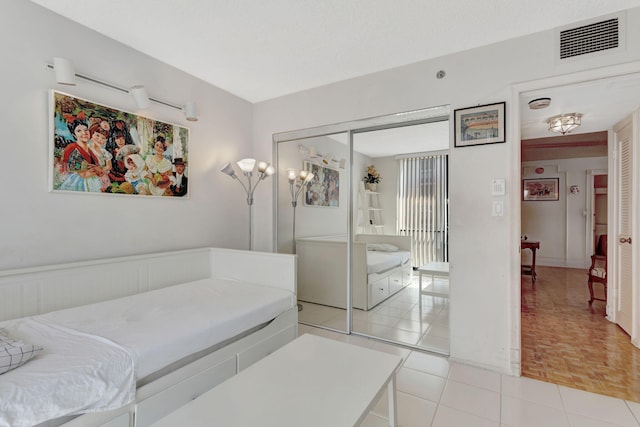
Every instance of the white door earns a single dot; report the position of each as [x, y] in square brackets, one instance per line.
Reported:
[621, 240]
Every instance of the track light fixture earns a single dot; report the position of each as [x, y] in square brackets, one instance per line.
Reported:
[141, 96]
[65, 72]
[66, 75]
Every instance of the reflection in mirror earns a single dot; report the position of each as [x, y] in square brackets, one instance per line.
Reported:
[312, 221]
[400, 286]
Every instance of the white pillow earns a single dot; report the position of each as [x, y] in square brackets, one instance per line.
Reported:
[382, 247]
[13, 352]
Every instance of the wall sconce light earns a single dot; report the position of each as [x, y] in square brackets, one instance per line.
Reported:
[564, 123]
[65, 71]
[140, 96]
[574, 189]
[247, 166]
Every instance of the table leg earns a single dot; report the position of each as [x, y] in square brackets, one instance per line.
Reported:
[533, 265]
[420, 294]
[391, 391]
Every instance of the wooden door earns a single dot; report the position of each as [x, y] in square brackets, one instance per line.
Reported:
[624, 221]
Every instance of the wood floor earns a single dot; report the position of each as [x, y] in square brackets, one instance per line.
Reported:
[566, 342]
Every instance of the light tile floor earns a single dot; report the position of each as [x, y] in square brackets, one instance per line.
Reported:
[434, 392]
[397, 319]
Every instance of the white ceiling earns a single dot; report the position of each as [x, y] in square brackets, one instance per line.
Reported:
[258, 49]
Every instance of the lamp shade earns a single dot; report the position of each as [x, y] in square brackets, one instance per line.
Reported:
[65, 71]
[262, 166]
[228, 169]
[141, 96]
[292, 174]
[247, 165]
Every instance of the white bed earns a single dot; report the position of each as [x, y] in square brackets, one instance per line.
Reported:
[377, 274]
[152, 351]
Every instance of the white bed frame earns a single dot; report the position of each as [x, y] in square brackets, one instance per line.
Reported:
[322, 271]
[31, 291]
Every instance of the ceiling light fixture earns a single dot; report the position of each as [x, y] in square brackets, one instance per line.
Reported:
[539, 103]
[564, 123]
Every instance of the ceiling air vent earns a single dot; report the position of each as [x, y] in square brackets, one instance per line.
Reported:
[596, 37]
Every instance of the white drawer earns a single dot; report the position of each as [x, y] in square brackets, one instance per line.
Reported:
[168, 400]
[407, 276]
[252, 354]
[395, 282]
[378, 291]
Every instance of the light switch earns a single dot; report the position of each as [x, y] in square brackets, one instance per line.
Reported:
[498, 208]
[498, 187]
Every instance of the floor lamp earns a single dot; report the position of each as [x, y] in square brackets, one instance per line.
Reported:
[297, 181]
[247, 166]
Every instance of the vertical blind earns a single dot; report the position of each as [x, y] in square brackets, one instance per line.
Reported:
[423, 207]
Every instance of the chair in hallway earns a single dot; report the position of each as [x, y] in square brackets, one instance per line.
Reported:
[598, 270]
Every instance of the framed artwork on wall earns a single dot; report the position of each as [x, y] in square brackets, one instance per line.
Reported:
[324, 189]
[484, 124]
[102, 150]
[540, 189]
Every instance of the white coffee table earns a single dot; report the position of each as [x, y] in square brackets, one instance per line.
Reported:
[437, 288]
[312, 381]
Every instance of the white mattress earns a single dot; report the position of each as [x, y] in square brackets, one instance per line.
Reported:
[168, 324]
[59, 381]
[125, 339]
[378, 261]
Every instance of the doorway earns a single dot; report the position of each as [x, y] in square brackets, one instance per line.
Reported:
[577, 221]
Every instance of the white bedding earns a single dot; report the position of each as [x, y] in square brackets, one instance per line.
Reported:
[378, 261]
[75, 373]
[151, 330]
[165, 325]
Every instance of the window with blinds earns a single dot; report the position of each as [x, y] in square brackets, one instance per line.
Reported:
[423, 207]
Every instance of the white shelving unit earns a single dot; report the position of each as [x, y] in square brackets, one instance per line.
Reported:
[370, 211]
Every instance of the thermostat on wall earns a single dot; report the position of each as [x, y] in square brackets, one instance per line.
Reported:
[498, 187]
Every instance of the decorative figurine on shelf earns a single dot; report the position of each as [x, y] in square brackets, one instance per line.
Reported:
[372, 178]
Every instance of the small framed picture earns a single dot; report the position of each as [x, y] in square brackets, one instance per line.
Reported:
[540, 189]
[484, 124]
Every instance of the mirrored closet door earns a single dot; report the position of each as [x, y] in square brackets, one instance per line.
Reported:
[401, 222]
[312, 222]
[368, 224]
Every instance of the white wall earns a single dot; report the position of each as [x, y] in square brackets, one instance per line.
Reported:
[483, 248]
[560, 226]
[39, 227]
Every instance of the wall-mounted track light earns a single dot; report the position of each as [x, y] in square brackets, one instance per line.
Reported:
[65, 74]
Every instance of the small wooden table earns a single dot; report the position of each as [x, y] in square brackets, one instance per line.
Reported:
[530, 269]
[312, 382]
